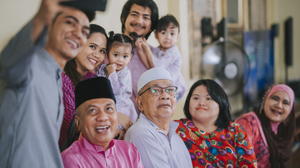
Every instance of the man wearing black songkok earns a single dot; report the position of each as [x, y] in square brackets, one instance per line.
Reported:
[96, 118]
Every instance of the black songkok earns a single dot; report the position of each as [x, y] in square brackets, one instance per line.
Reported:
[93, 88]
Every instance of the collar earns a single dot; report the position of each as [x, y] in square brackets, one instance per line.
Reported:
[160, 53]
[172, 128]
[95, 148]
[46, 55]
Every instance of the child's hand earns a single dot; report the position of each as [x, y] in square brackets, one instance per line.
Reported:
[138, 43]
[111, 68]
[144, 44]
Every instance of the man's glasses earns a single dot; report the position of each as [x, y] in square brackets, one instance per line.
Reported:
[157, 90]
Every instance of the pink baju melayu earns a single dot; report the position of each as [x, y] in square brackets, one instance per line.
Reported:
[83, 154]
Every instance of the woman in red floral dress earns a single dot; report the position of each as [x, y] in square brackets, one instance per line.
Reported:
[208, 133]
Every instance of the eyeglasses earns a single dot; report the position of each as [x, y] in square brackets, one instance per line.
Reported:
[157, 90]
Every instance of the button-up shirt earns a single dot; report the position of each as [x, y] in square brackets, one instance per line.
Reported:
[155, 147]
[31, 108]
[120, 154]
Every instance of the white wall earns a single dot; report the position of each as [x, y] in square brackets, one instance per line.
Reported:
[13, 15]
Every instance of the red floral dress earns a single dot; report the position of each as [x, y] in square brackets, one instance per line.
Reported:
[226, 148]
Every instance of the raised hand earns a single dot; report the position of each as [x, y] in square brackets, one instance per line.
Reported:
[111, 68]
[47, 11]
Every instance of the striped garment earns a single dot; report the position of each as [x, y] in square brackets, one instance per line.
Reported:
[69, 110]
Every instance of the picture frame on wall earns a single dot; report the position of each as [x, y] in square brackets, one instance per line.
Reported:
[233, 10]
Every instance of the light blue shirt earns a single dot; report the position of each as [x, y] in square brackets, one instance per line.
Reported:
[155, 147]
[31, 108]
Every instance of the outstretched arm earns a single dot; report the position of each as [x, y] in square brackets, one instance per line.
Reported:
[17, 55]
[47, 11]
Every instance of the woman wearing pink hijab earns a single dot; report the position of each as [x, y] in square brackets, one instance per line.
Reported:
[271, 128]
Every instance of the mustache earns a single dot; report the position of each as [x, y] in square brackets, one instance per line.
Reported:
[137, 24]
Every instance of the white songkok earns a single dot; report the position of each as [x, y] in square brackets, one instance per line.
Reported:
[151, 75]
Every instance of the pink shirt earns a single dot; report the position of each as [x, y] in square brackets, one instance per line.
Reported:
[86, 155]
[250, 122]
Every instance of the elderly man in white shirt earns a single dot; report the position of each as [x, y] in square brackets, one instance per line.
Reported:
[154, 132]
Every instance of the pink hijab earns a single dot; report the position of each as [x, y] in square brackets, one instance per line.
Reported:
[280, 135]
[289, 91]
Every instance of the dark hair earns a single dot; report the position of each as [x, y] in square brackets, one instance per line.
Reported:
[144, 3]
[71, 67]
[218, 95]
[165, 21]
[118, 39]
[90, 15]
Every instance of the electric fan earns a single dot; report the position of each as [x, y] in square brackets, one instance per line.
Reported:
[226, 62]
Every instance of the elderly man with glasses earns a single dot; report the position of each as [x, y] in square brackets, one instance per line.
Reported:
[154, 132]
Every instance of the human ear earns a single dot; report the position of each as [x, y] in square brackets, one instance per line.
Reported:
[139, 103]
[77, 122]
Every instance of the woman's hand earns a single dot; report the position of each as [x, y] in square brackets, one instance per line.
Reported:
[124, 121]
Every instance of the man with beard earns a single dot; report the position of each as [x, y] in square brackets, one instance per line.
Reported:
[138, 16]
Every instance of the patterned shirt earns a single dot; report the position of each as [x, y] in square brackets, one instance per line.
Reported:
[256, 136]
[122, 88]
[69, 112]
[221, 148]
[172, 62]
[120, 154]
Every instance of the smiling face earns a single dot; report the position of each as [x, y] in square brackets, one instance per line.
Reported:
[138, 20]
[203, 108]
[97, 120]
[92, 54]
[278, 106]
[167, 38]
[157, 107]
[120, 55]
[68, 34]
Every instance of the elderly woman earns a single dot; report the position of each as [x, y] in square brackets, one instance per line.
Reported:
[209, 135]
[271, 128]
